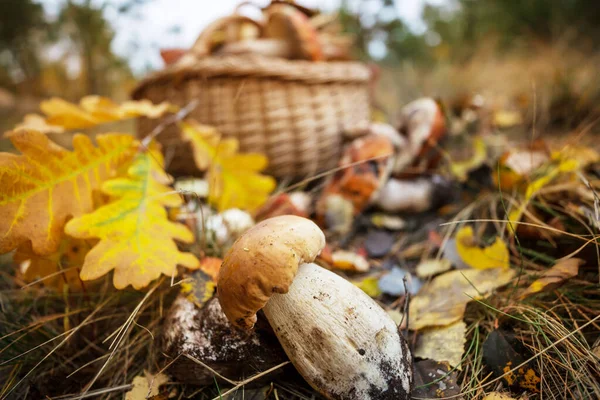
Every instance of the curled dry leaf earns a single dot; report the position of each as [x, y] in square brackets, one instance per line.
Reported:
[46, 185]
[349, 261]
[555, 276]
[446, 343]
[137, 239]
[494, 256]
[444, 300]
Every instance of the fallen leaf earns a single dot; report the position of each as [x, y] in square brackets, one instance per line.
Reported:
[198, 288]
[234, 179]
[507, 118]
[461, 169]
[369, 286]
[444, 300]
[144, 387]
[494, 256]
[553, 277]
[136, 238]
[68, 257]
[95, 110]
[207, 143]
[349, 261]
[446, 343]
[434, 380]
[38, 123]
[497, 396]
[46, 185]
[502, 352]
[428, 268]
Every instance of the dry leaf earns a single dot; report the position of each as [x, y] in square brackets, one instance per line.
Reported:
[494, 256]
[369, 285]
[550, 279]
[91, 111]
[497, 396]
[432, 267]
[349, 261]
[234, 179]
[461, 169]
[69, 257]
[444, 300]
[43, 187]
[445, 343]
[137, 239]
[38, 123]
[146, 386]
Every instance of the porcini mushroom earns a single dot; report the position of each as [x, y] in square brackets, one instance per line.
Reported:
[337, 337]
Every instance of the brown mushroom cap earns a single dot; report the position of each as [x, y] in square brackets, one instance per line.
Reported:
[264, 261]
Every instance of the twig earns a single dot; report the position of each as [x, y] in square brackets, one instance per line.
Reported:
[180, 115]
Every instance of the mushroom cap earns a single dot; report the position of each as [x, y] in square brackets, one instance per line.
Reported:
[264, 261]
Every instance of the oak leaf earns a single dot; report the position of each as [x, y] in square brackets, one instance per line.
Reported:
[91, 111]
[137, 239]
[234, 178]
[47, 184]
[54, 270]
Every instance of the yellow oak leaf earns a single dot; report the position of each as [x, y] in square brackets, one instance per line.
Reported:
[494, 256]
[234, 179]
[57, 269]
[91, 111]
[47, 184]
[207, 143]
[137, 239]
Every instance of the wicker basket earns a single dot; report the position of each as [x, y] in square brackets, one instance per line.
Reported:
[295, 112]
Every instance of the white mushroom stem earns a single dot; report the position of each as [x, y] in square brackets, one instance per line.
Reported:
[341, 341]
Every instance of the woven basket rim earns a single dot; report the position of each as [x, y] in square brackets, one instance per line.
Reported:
[260, 67]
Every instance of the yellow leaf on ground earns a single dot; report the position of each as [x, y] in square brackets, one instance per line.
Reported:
[137, 239]
[91, 111]
[461, 169]
[446, 343]
[145, 387]
[234, 179]
[444, 300]
[560, 272]
[369, 285]
[43, 187]
[57, 269]
[494, 256]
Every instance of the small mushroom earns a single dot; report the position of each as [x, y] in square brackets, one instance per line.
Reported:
[284, 21]
[423, 124]
[337, 337]
[364, 168]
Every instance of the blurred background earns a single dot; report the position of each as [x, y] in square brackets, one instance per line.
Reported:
[538, 56]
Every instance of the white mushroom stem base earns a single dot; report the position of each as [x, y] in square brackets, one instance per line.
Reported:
[341, 341]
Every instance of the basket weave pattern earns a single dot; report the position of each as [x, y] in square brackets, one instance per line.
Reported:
[295, 112]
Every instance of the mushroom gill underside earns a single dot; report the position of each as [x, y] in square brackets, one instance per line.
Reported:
[341, 341]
